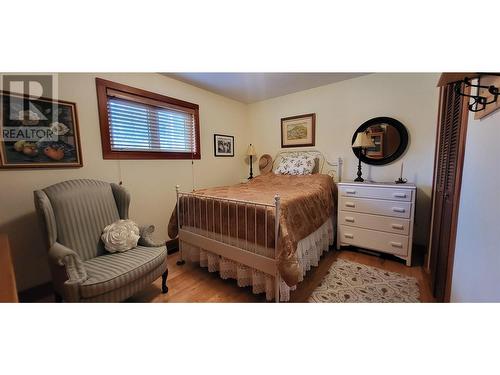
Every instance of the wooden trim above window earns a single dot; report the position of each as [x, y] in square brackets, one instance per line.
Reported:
[106, 89]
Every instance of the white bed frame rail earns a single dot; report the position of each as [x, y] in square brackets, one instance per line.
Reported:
[218, 244]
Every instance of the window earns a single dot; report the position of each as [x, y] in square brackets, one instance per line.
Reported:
[137, 124]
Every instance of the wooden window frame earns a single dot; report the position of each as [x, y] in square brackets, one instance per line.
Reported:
[103, 85]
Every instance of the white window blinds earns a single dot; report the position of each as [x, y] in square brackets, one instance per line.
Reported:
[139, 124]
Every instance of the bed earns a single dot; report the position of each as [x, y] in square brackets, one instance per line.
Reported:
[233, 229]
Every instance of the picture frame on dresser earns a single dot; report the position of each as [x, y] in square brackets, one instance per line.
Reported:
[377, 216]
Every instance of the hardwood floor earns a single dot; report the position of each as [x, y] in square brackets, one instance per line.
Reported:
[191, 283]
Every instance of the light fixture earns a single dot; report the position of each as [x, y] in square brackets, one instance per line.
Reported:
[251, 153]
[479, 102]
[363, 141]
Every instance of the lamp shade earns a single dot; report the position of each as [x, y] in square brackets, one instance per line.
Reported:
[251, 151]
[363, 140]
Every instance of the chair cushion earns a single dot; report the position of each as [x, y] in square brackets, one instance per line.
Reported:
[111, 271]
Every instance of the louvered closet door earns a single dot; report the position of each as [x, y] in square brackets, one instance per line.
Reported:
[448, 153]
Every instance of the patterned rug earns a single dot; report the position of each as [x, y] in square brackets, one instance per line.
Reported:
[353, 282]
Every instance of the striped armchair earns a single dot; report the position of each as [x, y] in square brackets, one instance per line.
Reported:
[73, 215]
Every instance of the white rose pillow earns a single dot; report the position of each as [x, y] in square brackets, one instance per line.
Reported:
[120, 236]
[297, 165]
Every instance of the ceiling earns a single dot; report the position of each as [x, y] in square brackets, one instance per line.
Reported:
[253, 87]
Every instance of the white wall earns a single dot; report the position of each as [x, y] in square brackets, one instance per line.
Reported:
[476, 270]
[151, 182]
[341, 107]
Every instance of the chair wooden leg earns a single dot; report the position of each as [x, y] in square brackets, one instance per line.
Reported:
[164, 287]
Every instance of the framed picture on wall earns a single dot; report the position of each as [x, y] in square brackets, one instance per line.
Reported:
[223, 145]
[38, 133]
[298, 131]
[377, 151]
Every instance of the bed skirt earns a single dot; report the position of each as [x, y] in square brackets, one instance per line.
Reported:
[309, 251]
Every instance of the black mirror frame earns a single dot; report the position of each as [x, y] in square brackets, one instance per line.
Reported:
[403, 133]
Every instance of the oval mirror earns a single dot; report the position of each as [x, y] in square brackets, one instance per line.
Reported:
[389, 141]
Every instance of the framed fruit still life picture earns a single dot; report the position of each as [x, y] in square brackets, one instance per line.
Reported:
[38, 133]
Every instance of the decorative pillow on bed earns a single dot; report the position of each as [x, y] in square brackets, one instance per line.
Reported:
[316, 165]
[120, 236]
[296, 165]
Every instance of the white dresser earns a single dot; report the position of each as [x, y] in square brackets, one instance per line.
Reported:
[377, 216]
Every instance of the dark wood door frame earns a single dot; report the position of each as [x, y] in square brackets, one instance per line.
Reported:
[434, 176]
[456, 197]
[464, 116]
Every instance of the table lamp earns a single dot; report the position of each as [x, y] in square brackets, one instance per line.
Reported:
[363, 141]
[251, 153]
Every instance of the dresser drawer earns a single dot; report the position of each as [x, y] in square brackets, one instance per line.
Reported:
[376, 207]
[383, 223]
[376, 192]
[371, 239]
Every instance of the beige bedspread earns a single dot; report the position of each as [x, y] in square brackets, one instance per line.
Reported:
[306, 203]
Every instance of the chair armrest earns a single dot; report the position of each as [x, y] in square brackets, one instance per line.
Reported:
[64, 256]
[145, 231]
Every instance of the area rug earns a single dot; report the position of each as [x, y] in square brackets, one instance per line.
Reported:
[353, 282]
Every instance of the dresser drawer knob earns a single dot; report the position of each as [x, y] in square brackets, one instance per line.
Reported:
[349, 204]
[398, 209]
[349, 219]
[350, 191]
[399, 195]
[348, 235]
[396, 244]
[397, 226]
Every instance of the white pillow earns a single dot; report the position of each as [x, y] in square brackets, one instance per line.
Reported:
[296, 165]
[120, 236]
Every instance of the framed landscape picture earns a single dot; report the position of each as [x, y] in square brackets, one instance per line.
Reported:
[38, 133]
[298, 131]
[223, 145]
